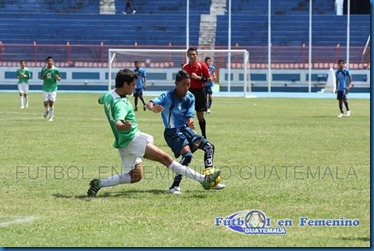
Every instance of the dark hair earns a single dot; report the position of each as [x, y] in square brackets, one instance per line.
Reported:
[207, 58]
[22, 61]
[125, 75]
[135, 62]
[48, 58]
[191, 49]
[182, 74]
[340, 60]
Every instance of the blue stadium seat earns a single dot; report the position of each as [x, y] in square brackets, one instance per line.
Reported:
[163, 22]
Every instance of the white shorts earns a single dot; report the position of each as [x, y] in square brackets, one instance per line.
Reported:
[50, 96]
[23, 88]
[133, 153]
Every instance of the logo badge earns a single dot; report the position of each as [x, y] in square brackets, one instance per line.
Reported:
[253, 222]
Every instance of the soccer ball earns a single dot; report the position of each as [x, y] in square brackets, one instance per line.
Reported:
[208, 171]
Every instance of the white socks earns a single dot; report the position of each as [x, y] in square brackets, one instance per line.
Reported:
[52, 111]
[117, 179]
[176, 167]
[185, 171]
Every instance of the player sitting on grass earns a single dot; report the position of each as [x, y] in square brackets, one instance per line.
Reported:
[131, 143]
[177, 111]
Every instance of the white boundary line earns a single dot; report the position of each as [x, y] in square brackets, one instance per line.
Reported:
[20, 220]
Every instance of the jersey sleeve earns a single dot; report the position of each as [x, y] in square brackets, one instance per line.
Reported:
[349, 74]
[57, 72]
[119, 110]
[101, 99]
[205, 70]
[213, 69]
[160, 100]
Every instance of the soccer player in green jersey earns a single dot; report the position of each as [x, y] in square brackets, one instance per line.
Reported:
[133, 144]
[50, 76]
[23, 76]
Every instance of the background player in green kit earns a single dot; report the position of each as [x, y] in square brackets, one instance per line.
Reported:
[23, 76]
[50, 76]
[133, 144]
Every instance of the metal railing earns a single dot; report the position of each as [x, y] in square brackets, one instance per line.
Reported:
[95, 55]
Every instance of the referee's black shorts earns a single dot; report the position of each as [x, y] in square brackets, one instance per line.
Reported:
[200, 99]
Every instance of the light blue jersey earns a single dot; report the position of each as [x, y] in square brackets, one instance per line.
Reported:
[212, 69]
[342, 76]
[176, 110]
[142, 74]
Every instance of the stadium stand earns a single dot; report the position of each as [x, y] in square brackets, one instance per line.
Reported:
[160, 23]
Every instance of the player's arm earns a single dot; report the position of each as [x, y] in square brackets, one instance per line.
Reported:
[43, 74]
[119, 115]
[24, 75]
[154, 107]
[123, 125]
[349, 81]
[213, 75]
[156, 104]
[57, 76]
[145, 83]
[190, 123]
[145, 80]
[195, 76]
[100, 100]
[206, 74]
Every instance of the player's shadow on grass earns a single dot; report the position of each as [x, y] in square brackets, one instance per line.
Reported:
[132, 194]
[64, 196]
[125, 193]
[140, 193]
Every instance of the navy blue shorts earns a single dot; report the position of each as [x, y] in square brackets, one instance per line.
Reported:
[209, 90]
[179, 138]
[342, 95]
[138, 92]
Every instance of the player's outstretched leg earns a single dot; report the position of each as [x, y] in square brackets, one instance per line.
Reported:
[152, 152]
[133, 176]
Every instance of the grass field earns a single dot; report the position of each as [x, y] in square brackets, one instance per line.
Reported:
[289, 158]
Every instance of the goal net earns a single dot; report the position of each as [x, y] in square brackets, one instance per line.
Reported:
[162, 66]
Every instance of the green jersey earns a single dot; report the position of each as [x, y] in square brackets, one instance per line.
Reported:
[118, 108]
[21, 78]
[50, 81]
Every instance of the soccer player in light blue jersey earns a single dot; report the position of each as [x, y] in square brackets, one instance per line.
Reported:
[140, 84]
[209, 84]
[343, 83]
[177, 111]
